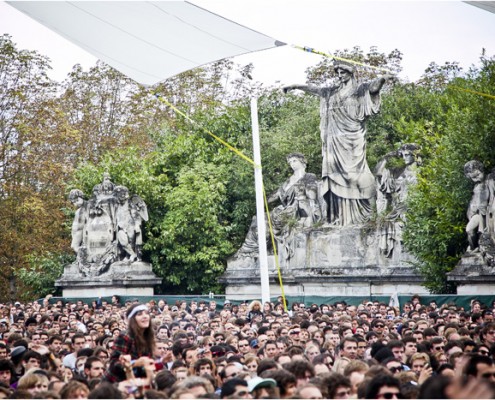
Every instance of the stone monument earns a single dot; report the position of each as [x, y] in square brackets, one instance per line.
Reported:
[107, 239]
[475, 272]
[327, 238]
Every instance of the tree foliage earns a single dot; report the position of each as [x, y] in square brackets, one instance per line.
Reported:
[200, 195]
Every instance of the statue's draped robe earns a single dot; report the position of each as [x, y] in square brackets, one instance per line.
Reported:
[348, 184]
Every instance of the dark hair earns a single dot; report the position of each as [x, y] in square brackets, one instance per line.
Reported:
[228, 388]
[434, 387]
[332, 383]
[299, 368]
[105, 390]
[471, 368]
[283, 379]
[144, 338]
[378, 382]
[164, 379]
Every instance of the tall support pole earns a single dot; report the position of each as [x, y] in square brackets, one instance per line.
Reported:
[260, 205]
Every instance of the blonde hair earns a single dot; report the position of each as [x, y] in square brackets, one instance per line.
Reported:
[30, 380]
[420, 356]
[254, 303]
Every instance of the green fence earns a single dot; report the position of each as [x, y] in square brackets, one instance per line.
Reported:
[459, 301]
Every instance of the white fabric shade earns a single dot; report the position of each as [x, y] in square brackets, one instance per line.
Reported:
[149, 41]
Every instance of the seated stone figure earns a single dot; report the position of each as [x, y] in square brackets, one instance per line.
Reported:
[298, 207]
[393, 185]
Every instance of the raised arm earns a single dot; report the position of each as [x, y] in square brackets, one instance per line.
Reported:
[377, 84]
[305, 88]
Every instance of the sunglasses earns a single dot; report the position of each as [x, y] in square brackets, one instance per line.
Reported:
[396, 369]
[391, 395]
[488, 375]
[439, 347]
[379, 326]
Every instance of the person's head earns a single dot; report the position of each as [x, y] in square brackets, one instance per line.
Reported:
[231, 371]
[349, 347]
[398, 349]
[383, 386]
[196, 385]
[74, 390]
[94, 368]
[302, 370]
[140, 327]
[33, 382]
[78, 342]
[337, 385]
[204, 366]
[480, 367]
[286, 381]
[409, 346]
[31, 359]
[235, 388]
[418, 362]
[270, 349]
[105, 390]
[308, 391]
[6, 371]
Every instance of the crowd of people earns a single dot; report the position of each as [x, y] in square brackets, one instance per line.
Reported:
[220, 350]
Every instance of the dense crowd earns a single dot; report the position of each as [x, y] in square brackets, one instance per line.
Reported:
[207, 349]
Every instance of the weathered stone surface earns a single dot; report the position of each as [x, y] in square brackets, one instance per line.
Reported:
[107, 239]
[343, 260]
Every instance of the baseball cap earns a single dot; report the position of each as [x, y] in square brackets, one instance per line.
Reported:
[258, 382]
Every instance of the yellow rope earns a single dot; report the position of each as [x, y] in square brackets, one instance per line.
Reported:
[321, 53]
[472, 91]
[243, 156]
[275, 255]
[229, 146]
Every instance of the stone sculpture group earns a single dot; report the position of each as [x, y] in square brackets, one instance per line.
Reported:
[107, 227]
[348, 189]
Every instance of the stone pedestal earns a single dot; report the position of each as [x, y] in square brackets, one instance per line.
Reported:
[473, 276]
[330, 261]
[122, 278]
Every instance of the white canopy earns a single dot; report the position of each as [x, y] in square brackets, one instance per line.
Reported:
[149, 41]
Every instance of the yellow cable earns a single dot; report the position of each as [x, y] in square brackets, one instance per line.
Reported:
[275, 254]
[229, 146]
[321, 53]
[472, 91]
[243, 156]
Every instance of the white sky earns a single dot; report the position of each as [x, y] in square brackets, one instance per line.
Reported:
[424, 31]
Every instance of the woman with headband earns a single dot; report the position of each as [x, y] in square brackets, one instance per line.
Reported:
[133, 348]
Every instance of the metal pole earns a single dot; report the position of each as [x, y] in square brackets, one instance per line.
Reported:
[260, 210]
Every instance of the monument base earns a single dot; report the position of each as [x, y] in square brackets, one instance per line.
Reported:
[330, 261]
[473, 276]
[123, 278]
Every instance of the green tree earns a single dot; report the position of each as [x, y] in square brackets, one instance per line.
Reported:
[32, 170]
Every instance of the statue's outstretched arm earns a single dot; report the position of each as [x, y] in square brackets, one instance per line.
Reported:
[305, 88]
[377, 84]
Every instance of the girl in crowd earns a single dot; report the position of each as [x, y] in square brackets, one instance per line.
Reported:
[134, 347]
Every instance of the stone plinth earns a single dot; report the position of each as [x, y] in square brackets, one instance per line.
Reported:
[330, 260]
[122, 278]
[473, 276]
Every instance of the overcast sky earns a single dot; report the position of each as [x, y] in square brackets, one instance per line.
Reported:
[424, 31]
